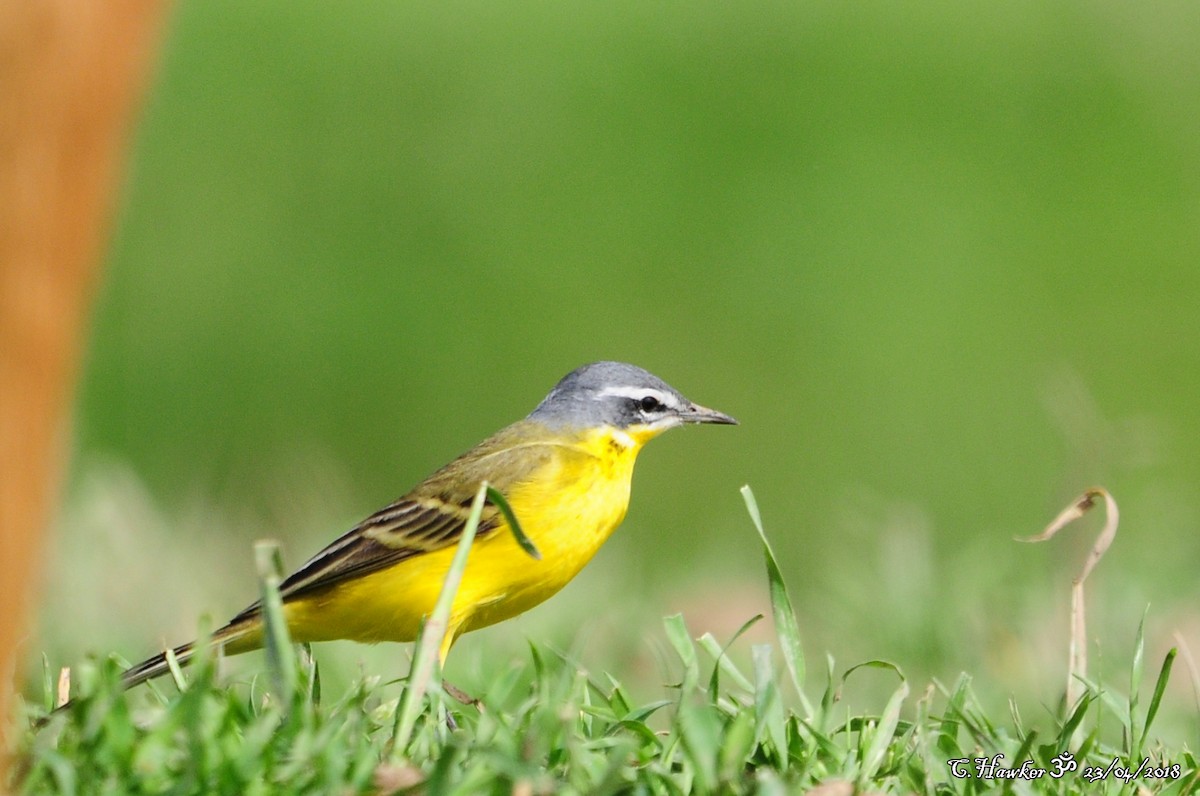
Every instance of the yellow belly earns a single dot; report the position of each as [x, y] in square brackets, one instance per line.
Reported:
[568, 509]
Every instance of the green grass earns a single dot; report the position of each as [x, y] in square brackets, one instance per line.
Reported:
[548, 725]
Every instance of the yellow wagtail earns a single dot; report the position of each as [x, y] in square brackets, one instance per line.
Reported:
[565, 471]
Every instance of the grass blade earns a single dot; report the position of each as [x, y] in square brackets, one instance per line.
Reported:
[1135, 685]
[700, 733]
[951, 721]
[770, 719]
[281, 662]
[49, 699]
[1160, 685]
[429, 642]
[781, 606]
[681, 640]
[721, 661]
[499, 501]
[1074, 721]
[884, 731]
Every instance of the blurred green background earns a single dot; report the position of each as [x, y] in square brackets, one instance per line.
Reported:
[941, 260]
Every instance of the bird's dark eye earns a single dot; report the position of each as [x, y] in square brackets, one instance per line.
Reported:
[649, 403]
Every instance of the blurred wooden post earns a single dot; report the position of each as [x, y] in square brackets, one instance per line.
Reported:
[71, 72]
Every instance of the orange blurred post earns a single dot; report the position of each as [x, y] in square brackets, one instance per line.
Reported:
[71, 72]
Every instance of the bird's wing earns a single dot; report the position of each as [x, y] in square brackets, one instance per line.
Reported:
[402, 530]
[429, 518]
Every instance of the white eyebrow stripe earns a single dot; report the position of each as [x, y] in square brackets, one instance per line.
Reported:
[664, 398]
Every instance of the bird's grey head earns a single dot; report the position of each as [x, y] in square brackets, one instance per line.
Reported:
[623, 396]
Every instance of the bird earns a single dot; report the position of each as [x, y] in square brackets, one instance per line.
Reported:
[565, 471]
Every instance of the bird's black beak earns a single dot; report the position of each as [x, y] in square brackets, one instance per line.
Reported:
[695, 413]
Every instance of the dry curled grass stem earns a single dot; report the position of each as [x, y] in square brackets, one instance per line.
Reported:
[1077, 672]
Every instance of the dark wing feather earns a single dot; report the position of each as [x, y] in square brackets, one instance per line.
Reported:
[381, 541]
[429, 518]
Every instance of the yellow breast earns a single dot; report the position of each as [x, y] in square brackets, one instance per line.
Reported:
[568, 510]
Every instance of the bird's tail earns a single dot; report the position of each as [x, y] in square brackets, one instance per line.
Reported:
[156, 666]
[241, 635]
[235, 637]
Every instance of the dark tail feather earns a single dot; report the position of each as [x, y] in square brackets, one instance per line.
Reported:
[235, 633]
[156, 666]
[146, 670]
[225, 638]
